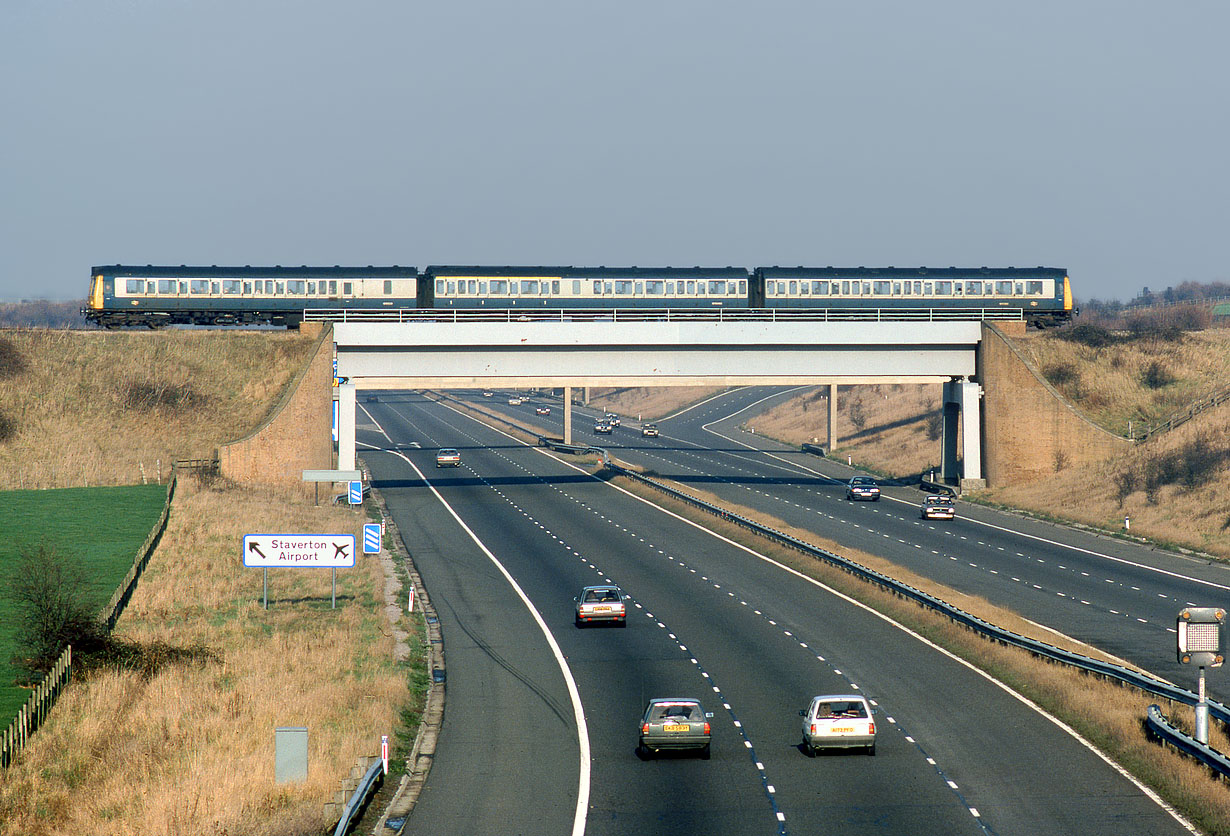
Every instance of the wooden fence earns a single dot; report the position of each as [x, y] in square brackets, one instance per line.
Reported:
[34, 712]
[1182, 417]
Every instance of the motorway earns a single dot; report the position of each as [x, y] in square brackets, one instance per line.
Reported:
[1120, 596]
[540, 725]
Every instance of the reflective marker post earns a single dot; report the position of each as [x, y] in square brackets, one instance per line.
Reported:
[410, 605]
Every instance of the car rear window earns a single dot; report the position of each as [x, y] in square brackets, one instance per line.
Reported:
[841, 709]
[673, 710]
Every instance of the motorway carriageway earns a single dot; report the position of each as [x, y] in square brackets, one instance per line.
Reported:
[1119, 596]
[540, 724]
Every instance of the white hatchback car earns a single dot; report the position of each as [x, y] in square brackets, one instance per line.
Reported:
[839, 721]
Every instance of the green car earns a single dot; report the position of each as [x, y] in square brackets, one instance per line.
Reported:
[674, 723]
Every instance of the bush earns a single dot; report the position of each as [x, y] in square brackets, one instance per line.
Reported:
[1154, 326]
[48, 590]
[1061, 374]
[11, 361]
[148, 396]
[1094, 336]
[1127, 483]
[8, 427]
[935, 426]
[1194, 464]
[1156, 375]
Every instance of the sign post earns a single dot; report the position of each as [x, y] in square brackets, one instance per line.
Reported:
[323, 551]
[1199, 640]
[384, 752]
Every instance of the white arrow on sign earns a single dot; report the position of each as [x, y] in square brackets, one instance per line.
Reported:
[326, 551]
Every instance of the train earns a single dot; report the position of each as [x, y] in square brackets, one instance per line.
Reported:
[154, 297]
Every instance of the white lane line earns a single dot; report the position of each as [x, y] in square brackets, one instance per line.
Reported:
[578, 819]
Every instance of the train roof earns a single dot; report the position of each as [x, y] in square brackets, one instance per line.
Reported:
[184, 271]
[585, 272]
[951, 273]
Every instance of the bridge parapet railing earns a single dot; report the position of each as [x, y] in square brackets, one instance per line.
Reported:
[511, 315]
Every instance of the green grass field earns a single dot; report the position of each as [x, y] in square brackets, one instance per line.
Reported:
[102, 526]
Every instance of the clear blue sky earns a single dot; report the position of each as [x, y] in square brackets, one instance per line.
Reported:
[1086, 135]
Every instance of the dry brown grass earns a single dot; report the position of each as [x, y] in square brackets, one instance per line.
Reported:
[107, 408]
[190, 750]
[649, 403]
[1108, 384]
[887, 427]
[1105, 713]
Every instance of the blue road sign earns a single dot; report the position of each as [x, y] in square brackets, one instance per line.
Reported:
[371, 538]
[356, 493]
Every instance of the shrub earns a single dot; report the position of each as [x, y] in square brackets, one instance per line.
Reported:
[935, 426]
[858, 414]
[1061, 374]
[8, 427]
[11, 361]
[1127, 482]
[48, 590]
[1153, 326]
[1194, 464]
[1094, 336]
[1156, 375]
[148, 396]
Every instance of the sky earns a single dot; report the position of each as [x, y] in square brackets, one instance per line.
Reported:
[1086, 135]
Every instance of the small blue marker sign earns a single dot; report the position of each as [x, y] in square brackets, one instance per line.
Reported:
[356, 493]
[371, 538]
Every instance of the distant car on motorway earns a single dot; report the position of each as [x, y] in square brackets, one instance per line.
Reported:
[649, 431]
[601, 603]
[863, 487]
[675, 723]
[448, 457]
[612, 419]
[838, 721]
[514, 401]
[487, 393]
[602, 427]
[937, 507]
[542, 410]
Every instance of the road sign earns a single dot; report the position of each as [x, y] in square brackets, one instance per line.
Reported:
[356, 493]
[299, 550]
[371, 538]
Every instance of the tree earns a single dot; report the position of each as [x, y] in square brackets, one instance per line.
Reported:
[49, 594]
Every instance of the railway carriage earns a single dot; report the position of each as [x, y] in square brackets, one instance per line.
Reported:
[154, 297]
[1041, 293]
[581, 287]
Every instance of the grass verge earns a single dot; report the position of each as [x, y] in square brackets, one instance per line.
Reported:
[102, 526]
[187, 748]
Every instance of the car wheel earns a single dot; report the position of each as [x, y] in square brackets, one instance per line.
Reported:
[871, 750]
[623, 622]
[644, 752]
[704, 753]
[875, 499]
[809, 749]
[580, 623]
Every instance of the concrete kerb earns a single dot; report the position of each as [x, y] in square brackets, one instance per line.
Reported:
[422, 753]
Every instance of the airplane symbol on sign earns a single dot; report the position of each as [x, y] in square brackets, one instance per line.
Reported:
[339, 550]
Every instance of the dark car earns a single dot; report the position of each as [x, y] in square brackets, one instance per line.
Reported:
[863, 487]
[675, 723]
[542, 410]
[602, 427]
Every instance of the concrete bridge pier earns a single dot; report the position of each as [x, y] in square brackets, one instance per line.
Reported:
[568, 413]
[345, 426]
[963, 419]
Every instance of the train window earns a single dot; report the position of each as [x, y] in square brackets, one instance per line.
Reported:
[499, 287]
[819, 288]
[1003, 288]
[597, 287]
[804, 287]
[973, 288]
[1020, 288]
[333, 287]
[623, 287]
[918, 288]
[856, 288]
[149, 287]
[576, 287]
[742, 287]
[943, 288]
[1033, 288]
[134, 285]
[471, 286]
[555, 287]
[882, 288]
[198, 286]
[897, 288]
[388, 287]
[670, 288]
[606, 288]
[905, 290]
[700, 288]
[529, 287]
[482, 288]
[845, 287]
[793, 288]
[348, 288]
[450, 288]
[717, 288]
[247, 287]
[440, 287]
[655, 288]
[231, 285]
[311, 288]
